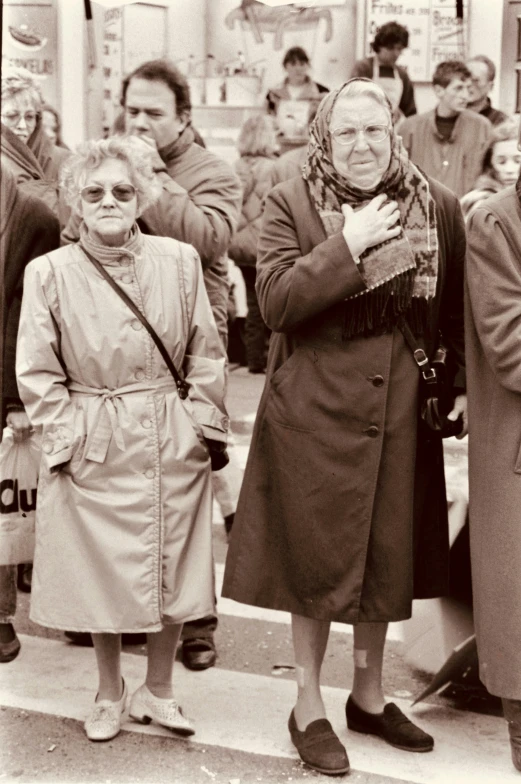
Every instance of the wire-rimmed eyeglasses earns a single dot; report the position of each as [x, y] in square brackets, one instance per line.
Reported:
[348, 134]
[13, 118]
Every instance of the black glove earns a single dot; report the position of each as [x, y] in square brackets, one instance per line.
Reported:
[218, 453]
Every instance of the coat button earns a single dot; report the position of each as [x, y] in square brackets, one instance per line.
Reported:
[372, 431]
[127, 279]
[139, 375]
[378, 381]
[136, 324]
[146, 423]
[225, 422]
[125, 262]
[150, 473]
[47, 448]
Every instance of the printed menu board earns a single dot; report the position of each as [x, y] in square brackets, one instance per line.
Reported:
[435, 33]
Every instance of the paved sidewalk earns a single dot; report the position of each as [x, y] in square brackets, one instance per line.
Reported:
[241, 706]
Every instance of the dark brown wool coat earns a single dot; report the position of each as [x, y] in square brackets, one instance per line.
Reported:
[31, 230]
[342, 514]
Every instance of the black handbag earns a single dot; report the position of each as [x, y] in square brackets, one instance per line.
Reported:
[218, 453]
[436, 386]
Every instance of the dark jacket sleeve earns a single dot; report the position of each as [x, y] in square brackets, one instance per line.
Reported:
[203, 214]
[293, 288]
[451, 322]
[41, 234]
[407, 102]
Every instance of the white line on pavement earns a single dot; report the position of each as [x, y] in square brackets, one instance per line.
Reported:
[249, 712]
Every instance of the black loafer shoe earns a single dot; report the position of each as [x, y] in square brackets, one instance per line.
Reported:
[199, 653]
[319, 747]
[391, 725]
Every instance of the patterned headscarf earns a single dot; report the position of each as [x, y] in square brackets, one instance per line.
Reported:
[400, 273]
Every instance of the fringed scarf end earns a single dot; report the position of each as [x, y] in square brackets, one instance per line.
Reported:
[379, 313]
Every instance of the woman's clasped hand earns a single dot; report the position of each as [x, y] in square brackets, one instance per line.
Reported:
[371, 225]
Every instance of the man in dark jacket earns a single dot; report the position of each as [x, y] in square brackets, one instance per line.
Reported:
[200, 204]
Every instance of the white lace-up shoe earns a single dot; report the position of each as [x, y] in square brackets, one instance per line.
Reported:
[145, 707]
[104, 722]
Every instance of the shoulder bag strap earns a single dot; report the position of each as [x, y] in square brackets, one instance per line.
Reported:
[420, 357]
[181, 384]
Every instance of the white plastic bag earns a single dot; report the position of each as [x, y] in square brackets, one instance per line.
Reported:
[19, 466]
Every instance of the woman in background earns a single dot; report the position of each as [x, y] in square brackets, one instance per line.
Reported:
[257, 147]
[501, 166]
[293, 101]
[52, 126]
[25, 148]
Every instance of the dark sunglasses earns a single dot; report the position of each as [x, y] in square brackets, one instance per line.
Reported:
[95, 193]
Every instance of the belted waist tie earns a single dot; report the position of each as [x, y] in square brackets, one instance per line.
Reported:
[106, 424]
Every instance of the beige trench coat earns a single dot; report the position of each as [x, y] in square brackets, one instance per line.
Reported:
[124, 500]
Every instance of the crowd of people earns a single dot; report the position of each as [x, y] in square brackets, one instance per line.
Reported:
[382, 238]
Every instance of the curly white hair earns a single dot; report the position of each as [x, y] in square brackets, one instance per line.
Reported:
[89, 157]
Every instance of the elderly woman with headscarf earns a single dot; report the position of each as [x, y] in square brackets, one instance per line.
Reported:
[27, 229]
[123, 524]
[343, 514]
[25, 148]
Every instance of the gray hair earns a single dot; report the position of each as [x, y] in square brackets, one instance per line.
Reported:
[257, 136]
[357, 87]
[16, 80]
[90, 156]
[491, 68]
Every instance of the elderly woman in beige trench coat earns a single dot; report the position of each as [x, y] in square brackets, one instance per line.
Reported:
[124, 500]
[343, 514]
[493, 324]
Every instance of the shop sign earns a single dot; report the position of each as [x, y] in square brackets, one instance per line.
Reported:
[29, 40]
[435, 33]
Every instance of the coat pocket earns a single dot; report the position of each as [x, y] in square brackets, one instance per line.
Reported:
[292, 389]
